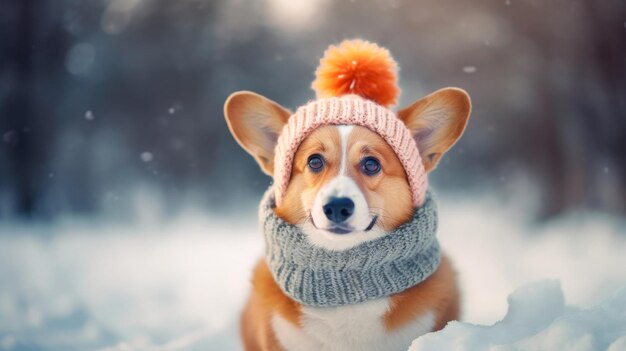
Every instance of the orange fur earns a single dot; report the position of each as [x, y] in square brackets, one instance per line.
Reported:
[266, 298]
[256, 121]
[439, 293]
[304, 184]
[358, 67]
[387, 193]
[437, 121]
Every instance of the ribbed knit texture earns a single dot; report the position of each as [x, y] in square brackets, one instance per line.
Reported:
[349, 110]
[315, 276]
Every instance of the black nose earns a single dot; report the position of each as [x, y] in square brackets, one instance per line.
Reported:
[338, 209]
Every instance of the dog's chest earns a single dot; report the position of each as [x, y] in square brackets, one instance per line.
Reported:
[352, 327]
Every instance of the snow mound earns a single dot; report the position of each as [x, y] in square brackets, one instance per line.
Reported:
[538, 319]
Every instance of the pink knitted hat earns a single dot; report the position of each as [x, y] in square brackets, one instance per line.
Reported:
[351, 79]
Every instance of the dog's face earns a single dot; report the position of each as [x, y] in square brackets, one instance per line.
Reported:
[347, 185]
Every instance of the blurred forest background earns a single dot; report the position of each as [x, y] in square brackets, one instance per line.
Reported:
[127, 208]
[107, 104]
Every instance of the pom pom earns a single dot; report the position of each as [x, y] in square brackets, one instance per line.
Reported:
[358, 67]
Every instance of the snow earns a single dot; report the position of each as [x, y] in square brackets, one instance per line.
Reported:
[179, 284]
[89, 115]
[537, 319]
[469, 69]
[495, 251]
[11, 137]
[80, 58]
[76, 287]
[146, 156]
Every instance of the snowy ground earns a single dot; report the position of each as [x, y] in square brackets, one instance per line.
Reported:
[179, 285]
[537, 319]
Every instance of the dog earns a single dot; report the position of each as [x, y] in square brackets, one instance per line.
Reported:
[344, 186]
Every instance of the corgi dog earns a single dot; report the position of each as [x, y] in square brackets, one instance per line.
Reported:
[346, 186]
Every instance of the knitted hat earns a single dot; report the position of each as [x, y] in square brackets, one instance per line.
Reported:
[354, 83]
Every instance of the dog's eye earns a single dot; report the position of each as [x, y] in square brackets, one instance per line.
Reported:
[315, 163]
[370, 166]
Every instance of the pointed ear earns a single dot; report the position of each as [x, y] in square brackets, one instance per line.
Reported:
[256, 122]
[437, 122]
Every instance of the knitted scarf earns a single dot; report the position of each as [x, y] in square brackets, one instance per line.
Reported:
[319, 277]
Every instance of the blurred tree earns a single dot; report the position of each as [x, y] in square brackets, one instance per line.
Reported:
[32, 53]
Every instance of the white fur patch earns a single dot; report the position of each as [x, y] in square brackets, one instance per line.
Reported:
[291, 337]
[339, 242]
[344, 133]
[352, 327]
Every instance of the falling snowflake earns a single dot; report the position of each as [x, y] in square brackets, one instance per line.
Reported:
[146, 156]
[89, 115]
[80, 58]
[11, 137]
[469, 69]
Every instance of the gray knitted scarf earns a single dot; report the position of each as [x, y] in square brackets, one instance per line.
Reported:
[319, 277]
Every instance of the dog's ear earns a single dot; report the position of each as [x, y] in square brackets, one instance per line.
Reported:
[256, 122]
[437, 122]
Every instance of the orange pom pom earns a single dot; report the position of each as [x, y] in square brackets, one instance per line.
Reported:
[358, 67]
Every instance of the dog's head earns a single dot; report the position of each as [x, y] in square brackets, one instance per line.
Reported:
[347, 185]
